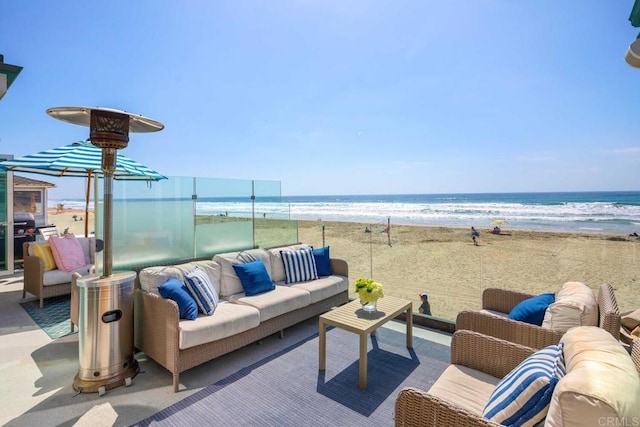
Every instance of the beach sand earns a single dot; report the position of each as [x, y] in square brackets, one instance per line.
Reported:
[444, 263]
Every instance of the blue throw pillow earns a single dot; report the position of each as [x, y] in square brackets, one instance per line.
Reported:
[175, 290]
[532, 310]
[322, 261]
[254, 277]
[524, 395]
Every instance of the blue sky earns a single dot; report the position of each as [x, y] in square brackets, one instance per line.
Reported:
[339, 97]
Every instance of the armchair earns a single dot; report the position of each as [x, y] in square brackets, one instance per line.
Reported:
[45, 283]
[497, 303]
[479, 362]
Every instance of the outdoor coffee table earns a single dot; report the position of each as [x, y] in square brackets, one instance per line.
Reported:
[352, 318]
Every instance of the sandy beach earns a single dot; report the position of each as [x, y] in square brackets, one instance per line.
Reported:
[444, 263]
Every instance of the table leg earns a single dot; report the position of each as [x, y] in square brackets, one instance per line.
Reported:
[409, 322]
[323, 345]
[363, 361]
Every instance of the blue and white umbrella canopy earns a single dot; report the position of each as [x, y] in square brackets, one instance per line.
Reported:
[79, 159]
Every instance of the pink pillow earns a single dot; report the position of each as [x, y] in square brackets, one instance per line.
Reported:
[67, 252]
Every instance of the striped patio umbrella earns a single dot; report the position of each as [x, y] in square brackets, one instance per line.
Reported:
[79, 159]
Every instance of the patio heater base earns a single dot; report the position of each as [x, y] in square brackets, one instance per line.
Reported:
[101, 386]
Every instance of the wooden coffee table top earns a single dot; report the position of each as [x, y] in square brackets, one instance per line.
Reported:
[352, 317]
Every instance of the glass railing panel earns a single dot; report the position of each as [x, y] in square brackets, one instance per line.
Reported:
[273, 226]
[224, 211]
[151, 223]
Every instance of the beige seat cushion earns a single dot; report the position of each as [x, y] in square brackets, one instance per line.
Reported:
[228, 319]
[152, 277]
[601, 381]
[575, 305]
[466, 387]
[281, 300]
[323, 288]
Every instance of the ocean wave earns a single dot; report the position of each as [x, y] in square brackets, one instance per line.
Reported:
[520, 211]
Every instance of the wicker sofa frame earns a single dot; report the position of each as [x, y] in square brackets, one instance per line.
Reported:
[157, 328]
[503, 301]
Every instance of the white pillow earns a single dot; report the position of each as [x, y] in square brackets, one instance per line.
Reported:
[153, 277]
[575, 305]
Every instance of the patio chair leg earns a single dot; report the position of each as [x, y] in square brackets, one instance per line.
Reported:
[71, 326]
[41, 302]
[282, 334]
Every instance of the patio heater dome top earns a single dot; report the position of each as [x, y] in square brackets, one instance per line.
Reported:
[82, 116]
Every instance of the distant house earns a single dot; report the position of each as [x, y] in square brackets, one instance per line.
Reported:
[30, 195]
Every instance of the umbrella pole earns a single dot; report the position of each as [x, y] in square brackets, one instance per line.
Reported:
[86, 206]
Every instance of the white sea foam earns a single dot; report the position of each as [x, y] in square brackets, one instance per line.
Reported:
[591, 216]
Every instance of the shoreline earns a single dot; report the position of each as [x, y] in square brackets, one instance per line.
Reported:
[444, 263]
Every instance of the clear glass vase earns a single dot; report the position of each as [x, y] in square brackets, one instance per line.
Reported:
[369, 306]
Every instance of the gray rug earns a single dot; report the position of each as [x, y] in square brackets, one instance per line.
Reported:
[287, 389]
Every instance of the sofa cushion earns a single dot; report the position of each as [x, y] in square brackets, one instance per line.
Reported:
[601, 383]
[175, 290]
[281, 300]
[254, 255]
[323, 287]
[522, 397]
[43, 251]
[56, 276]
[153, 277]
[532, 309]
[468, 388]
[228, 320]
[202, 290]
[210, 267]
[67, 252]
[89, 248]
[299, 265]
[229, 281]
[575, 305]
[254, 277]
[277, 265]
[323, 263]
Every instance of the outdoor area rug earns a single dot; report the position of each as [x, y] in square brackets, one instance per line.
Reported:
[54, 317]
[286, 389]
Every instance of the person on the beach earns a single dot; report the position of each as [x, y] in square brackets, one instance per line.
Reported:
[425, 307]
[474, 235]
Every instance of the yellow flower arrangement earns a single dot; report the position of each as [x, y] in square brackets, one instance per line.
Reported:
[368, 290]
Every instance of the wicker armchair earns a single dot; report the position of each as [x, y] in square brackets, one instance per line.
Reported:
[478, 362]
[489, 355]
[503, 301]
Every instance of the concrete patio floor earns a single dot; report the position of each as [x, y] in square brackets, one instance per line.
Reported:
[36, 372]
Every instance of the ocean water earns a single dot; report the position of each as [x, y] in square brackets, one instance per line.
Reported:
[594, 212]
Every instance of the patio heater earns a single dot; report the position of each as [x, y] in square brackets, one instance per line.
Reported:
[105, 320]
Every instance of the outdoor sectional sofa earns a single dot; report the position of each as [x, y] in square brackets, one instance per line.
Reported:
[179, 344]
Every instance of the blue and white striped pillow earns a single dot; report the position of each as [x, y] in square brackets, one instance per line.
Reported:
[202, 290]
[522, 397]
[299, 265]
